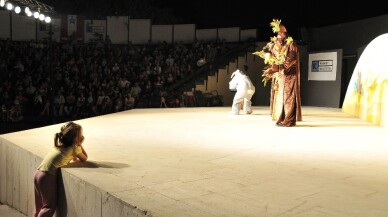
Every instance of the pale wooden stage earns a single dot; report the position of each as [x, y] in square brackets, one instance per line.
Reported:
[205, 162]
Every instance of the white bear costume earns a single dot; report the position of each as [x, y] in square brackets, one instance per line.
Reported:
[245, 90]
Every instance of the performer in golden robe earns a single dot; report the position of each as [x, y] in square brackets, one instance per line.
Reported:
[282, 57]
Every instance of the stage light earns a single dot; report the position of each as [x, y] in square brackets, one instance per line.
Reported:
[9, 6]
[41, 17]
[31, 8]
[47, 19]
[17, 9]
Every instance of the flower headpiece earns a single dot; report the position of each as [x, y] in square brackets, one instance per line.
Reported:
[269, 57]
[275, 24]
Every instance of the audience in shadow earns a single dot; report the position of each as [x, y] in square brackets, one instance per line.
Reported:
[94, 78]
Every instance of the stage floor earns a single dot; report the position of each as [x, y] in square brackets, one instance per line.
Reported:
[205, 162]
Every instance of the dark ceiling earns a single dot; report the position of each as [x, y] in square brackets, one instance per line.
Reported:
[228, 13]
[259, 13]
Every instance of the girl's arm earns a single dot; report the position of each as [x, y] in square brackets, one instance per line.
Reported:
[82, 156]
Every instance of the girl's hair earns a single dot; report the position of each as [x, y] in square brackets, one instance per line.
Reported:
[68, 136]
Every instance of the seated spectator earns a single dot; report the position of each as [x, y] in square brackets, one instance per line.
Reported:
[163, 102]
[136, 90]
[129, 102]
[70, 104]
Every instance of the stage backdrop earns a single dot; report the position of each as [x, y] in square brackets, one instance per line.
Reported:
[367, 93]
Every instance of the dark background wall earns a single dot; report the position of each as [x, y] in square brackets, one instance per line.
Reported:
[320, 93]
[349, 39]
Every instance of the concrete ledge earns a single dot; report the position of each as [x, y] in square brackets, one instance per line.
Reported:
[76, 197]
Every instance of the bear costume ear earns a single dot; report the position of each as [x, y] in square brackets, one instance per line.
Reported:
[234, 74]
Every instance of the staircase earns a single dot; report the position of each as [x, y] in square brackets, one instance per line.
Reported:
[209, 85]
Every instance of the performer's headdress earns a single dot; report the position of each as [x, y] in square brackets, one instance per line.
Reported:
[277, 27]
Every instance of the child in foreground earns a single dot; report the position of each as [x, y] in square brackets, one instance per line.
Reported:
[67, 147]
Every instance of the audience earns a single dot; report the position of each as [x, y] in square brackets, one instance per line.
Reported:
[91, 79]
